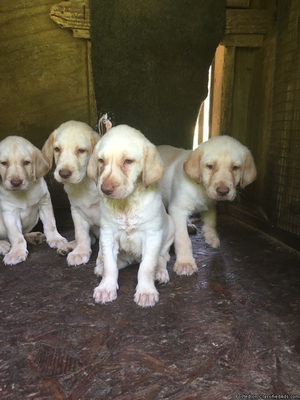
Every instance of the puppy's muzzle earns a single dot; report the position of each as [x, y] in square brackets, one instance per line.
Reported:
[65, 173]
[222, 191]
[107, 188]
[16, 182]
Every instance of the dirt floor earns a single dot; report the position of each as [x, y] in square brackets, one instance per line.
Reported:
[229, 331]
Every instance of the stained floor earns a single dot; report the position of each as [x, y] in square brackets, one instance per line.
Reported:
[231, 330]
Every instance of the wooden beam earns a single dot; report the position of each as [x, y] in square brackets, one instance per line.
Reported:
[246, 21]
[238, 3]
[243, 40]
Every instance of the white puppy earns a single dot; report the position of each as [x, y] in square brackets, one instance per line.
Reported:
[134, 225]
[24, 198]
[194, 181]
[71, 146]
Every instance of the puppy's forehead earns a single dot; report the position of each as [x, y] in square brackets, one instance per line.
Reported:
[73, 137]
[15, 148]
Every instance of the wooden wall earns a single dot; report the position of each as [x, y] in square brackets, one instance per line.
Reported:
[43, 72]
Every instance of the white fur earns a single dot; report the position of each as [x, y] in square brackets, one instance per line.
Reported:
[134, 224]
[24, 198]
[71, 146]
[194, 181]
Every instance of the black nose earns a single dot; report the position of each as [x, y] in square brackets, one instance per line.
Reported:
[222, 190]
[16, 182]
[65, 173]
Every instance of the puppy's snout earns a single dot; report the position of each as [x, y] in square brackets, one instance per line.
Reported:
[107, 188]
[65, 173]
[222, 191]
[16, 182]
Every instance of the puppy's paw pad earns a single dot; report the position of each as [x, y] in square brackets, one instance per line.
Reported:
[75, 258]
[35, 238]
[187, 268]
[102, 295]
[146, 299]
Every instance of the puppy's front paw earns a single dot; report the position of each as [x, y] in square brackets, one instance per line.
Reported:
[162, 275]
[211, 237]
[4, 247]
[146, 297]
[77, 257]
[15, 256]
[103, 294]
[66, 248]
[57, 241]
[185, 268]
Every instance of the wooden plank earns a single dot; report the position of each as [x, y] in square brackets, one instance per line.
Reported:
[246, 21]
[227, 90]
[74, 15]
[243, 40]
[238, 3]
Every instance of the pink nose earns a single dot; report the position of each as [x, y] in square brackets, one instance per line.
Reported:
[65, 173]
[107, 188]
[16, 182]
[222, 191]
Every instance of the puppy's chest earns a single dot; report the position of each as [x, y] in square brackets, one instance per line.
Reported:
[127, 224]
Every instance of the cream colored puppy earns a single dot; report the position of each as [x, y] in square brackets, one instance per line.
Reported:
[134, 225]
[194, 181]
[71, 146]
[24, 198]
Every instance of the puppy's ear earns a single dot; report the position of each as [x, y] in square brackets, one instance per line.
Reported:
[40, 165]
[47, 149]
[95, 137]
[93, 167]
[153, 168]
[248, 171]
[192, 166]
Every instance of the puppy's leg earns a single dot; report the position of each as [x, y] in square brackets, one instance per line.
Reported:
[35, 238]
[18, 251]
[82, 252]
[54, 239]
[106, 291]
[209, 228]
[146, 294]
[4, 247]
[185, 262]
[161, 272]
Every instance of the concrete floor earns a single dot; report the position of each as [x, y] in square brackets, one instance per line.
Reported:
[232, 329]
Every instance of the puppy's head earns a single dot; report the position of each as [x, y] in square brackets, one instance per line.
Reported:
[220, 164]
[21, 163]
[71, 146]
[122, 161]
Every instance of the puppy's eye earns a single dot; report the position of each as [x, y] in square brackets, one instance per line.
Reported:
[235, 167]
[26, 162]
[80, 151]
[127, 161]
[210, 166]
[56, 149]
[101, 161]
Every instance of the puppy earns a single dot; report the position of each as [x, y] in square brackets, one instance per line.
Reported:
[134, 225]
[194, 181]
[71, 146]
[24, 198]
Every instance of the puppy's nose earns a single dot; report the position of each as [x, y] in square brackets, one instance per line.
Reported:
[65, 173]
[16, 182]
[222, 190]
[107, 188]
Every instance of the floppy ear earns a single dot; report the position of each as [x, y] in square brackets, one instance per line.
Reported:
[192, 165]
[95, 137]
[93, 167]
[153, 168]
[40, 165]
[248, 171]
[47, 149]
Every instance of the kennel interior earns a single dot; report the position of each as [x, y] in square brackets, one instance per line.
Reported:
[232, 329]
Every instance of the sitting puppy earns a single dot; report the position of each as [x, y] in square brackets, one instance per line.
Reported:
[71, 146]
[24, 198]
[134, 225]
[194, 181]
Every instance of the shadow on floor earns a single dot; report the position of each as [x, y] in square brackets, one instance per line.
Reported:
[232, 329]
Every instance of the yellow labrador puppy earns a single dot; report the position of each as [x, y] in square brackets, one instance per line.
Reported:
[134, 225]
[71, 146]
[24, 198]
[194, 181]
